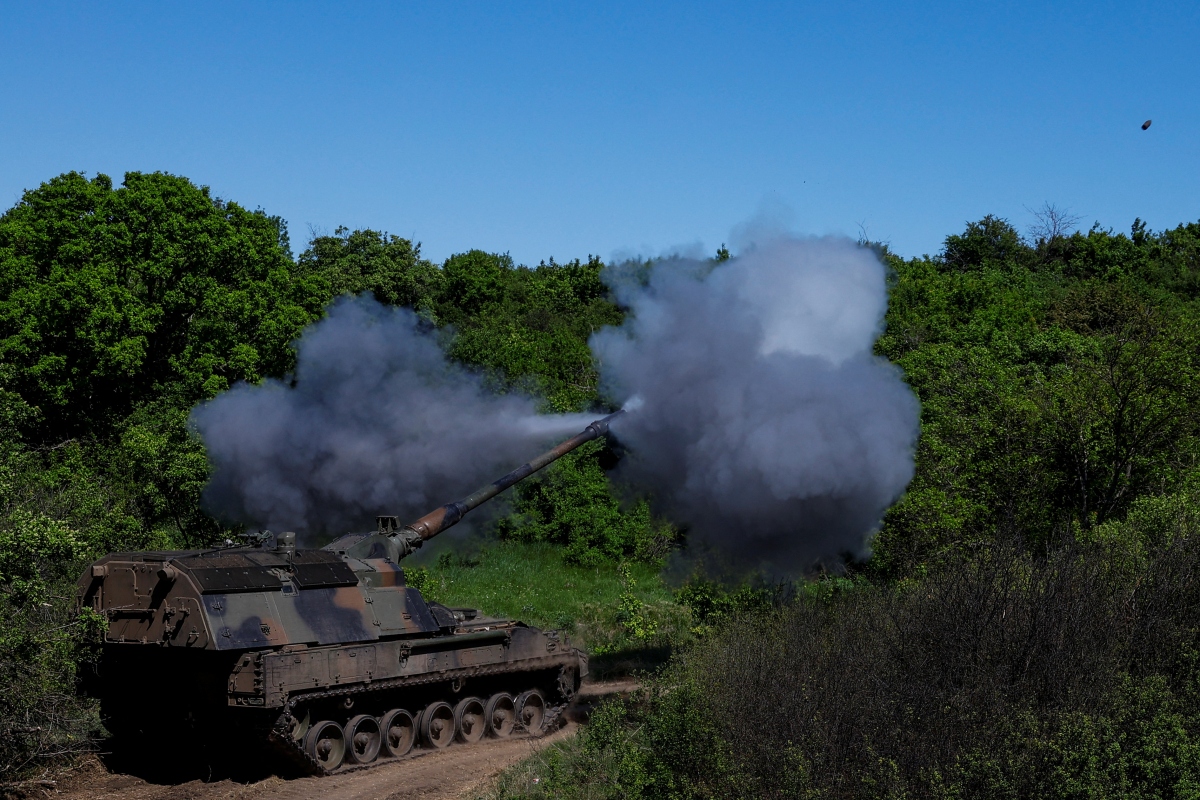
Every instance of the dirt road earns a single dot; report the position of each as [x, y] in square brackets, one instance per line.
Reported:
[433, 775]
[450, 774]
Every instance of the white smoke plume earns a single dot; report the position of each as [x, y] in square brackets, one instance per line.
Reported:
[377, 421]
[758, 414]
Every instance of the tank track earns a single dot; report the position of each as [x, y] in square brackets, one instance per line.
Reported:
[292, 750]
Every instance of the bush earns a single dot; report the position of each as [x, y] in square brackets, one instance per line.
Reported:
[41, 717]
[1075, 674]
[1002, 675]
[659, 745]
[572, 504]
[43, 720]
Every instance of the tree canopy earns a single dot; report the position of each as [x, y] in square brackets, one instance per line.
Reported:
[112, 298]
[1058, 383]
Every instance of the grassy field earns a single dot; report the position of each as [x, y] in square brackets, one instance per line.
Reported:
[623, 614]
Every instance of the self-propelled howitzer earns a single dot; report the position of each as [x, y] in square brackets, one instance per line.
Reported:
[325, 654]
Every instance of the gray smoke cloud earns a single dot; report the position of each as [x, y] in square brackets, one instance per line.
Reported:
[758, 414]
[375, 421]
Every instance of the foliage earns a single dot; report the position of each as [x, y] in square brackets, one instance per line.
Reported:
[112, 297]
[987, 242]
[528, 327]
[660, 744]
[998, 675]
[33, 548]
[631, 611]
[119, 309]
[1058, 380]
[122, 307]
[1057, 386]
[1026, 625]
[538, 584]
[42, 719]
[572, 504]
[389, 267]
[713, 603]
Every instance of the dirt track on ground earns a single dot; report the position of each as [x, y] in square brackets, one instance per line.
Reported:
[450, 774]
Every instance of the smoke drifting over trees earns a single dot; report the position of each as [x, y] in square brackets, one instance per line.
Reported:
[377, 421]
[759, 415]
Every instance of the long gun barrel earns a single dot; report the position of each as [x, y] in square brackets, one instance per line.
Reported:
[448, 515]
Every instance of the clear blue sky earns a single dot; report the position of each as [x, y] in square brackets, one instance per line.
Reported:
[563, 129]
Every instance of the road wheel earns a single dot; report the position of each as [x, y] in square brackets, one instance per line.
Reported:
[362, 734]
[469, 720]
[298, 726]
[399, 732]
[326, 743]
[501, 715]
[531, 711]
[437, 725]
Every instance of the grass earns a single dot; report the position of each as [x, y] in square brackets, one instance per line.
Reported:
[623, 614]
[538, 775]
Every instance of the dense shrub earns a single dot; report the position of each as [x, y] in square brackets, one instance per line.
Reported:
[528, 327]
[1076, 674]
[42, 718]
[1057, 386]
[573, 505]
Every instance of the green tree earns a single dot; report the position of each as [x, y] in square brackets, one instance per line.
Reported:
[1124, 411]
[990, 241]
[120, 308]
[528, 328]
[110, 298]
[1056, 390]
[389, 267]
[572, 504]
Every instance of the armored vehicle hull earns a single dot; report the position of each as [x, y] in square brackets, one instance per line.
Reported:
[189, 657]
[325, 655]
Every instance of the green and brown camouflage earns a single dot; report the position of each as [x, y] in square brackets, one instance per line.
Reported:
[310, 634]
